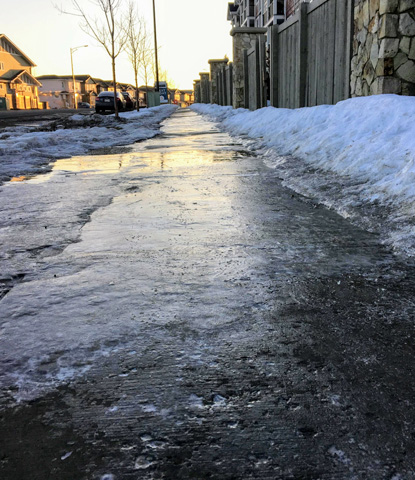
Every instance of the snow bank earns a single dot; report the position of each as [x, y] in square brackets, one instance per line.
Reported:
[25, 149]
[369, 142]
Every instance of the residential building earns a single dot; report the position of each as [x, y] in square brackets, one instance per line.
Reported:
[101, 85]
[88, 89]
[260, 13]
[270, 12]
[184, 98]
[58, 90]
[17, 83]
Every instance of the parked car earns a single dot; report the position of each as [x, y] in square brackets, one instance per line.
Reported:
[129, 100]
[84, 105]
[105, 101]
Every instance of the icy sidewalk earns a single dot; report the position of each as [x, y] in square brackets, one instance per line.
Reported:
[25, 149]
[357, 157]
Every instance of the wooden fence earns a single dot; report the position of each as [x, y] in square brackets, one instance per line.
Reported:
[224, 80]
[310, 55]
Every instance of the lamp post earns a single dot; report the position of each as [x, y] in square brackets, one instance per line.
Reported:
[155, 47]
[74, 49]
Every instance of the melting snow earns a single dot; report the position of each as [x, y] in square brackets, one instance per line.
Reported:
[368, 143]
[25, 150]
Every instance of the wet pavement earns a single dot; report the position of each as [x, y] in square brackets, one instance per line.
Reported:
[199, 321]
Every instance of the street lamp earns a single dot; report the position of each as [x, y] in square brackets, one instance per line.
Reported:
[155, 47]
[74, 49]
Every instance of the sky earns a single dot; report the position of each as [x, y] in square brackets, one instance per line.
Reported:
[190, 32]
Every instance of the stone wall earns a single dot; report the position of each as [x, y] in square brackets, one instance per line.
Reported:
[196, 89]
[204, 87]
[215, 67]
[383, 58]
[243, 40]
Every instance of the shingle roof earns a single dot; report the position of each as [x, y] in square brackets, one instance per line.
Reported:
[32, 64]
[12, 75]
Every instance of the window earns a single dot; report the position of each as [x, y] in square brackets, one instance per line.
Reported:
[1, 66]
[1, 86]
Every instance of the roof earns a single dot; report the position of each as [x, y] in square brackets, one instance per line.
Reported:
[85, 78]
[54, 77]
[99, 81]
[145, 88]
[3, 36]
[13, 75]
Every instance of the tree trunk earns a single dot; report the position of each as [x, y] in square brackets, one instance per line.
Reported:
[114, 81]
[137, 96]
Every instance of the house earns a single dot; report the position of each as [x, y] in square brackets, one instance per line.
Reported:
[17, 84]
[184, 98]
[58, 90]
[260, 13]
[89, 90]
[121, 87]
[101, 85]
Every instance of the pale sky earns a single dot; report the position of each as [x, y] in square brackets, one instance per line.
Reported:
[190, 32]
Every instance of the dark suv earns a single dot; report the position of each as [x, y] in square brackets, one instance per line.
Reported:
[105, 101]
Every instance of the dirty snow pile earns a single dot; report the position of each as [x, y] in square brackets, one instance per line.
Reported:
[357, 157]
[25, 149]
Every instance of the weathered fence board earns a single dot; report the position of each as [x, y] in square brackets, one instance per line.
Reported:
[311, 55]
[287, 64]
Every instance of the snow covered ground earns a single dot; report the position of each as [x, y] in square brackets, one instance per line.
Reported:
[357, 157]
[29, 149]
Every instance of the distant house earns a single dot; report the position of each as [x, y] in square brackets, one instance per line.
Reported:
[89, 90]
[17, 84]
[101, 85]
[58, 90]
[122, 87]
[184, 98]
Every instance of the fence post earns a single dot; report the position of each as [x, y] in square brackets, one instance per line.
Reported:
[349, 49]
[230, 84]
[262, 70]
[274, 66]
[224, 89]
[302, 56]
[246, 79]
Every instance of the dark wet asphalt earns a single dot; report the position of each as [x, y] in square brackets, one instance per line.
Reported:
[275, 339]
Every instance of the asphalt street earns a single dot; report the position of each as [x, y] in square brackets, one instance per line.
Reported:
[212, 324]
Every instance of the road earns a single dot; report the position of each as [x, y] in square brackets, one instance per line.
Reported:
[178, 313]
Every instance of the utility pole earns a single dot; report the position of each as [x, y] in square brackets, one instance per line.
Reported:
[157, 89]
[74, 49]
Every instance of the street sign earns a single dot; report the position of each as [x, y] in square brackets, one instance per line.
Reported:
[164, 98]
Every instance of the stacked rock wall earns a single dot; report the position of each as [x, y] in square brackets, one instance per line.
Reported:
[243, 40]
[383, 58]
[215, 68]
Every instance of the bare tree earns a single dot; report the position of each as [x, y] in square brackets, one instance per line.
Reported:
[136, 33]
[104, 28]
[165, 77]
